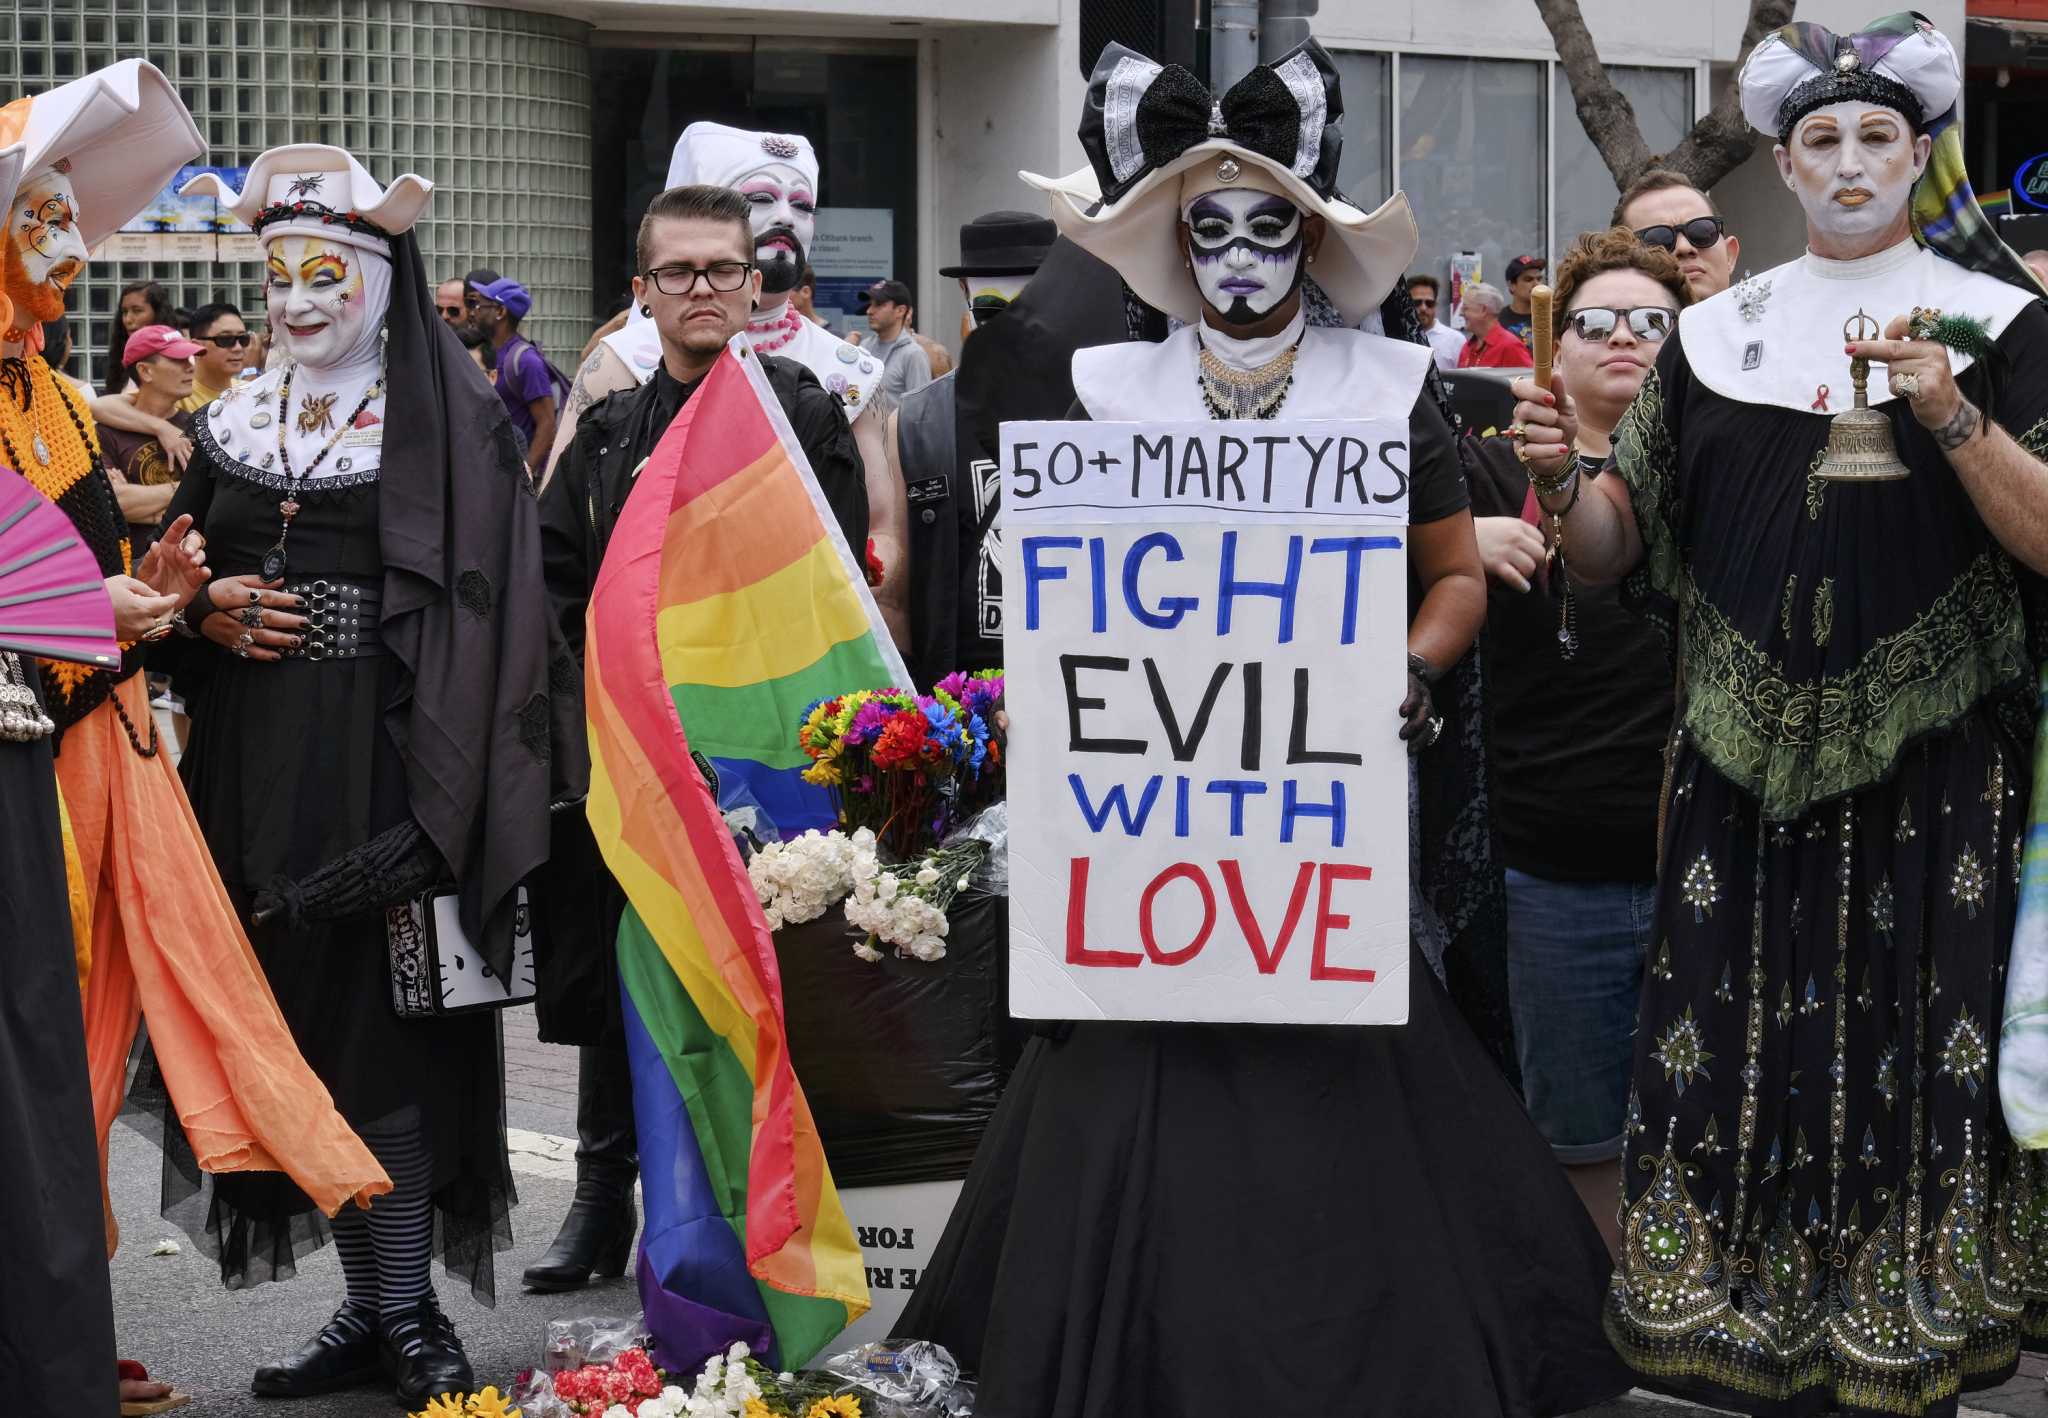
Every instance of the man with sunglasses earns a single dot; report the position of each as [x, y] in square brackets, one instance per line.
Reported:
[699, 278]
[1445, 344]
[223, 351]
[1664, 209]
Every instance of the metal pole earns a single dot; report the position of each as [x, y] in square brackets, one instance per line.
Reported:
[1233, 41]
[1283, 24]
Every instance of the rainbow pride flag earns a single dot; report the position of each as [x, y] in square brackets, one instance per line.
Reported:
[727, 602]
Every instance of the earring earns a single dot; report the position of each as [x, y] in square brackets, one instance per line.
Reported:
[1311, 258]
[648, 311]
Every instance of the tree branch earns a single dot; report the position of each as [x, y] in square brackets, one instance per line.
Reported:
[1604, 110]
[1723, 140]
[1717, 144]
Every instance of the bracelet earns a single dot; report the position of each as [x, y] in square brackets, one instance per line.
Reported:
[202, 602]
[1422, 669]
[1551, 487]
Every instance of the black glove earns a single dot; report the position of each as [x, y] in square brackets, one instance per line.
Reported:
[1419, 728]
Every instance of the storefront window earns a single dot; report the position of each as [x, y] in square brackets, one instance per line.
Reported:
[1472, 159]
[857, 102]
[1586, 193]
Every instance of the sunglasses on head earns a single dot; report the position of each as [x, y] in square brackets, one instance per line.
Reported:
[1646, 322]
[1700, 233]
[229, 342]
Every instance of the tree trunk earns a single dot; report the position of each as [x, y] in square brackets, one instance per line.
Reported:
[1717, 144]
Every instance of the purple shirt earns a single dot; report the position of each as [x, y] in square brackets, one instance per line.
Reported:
[522, 377]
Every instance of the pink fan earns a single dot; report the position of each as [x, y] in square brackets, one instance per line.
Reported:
[53, 600]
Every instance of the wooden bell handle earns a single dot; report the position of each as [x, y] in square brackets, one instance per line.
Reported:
[1540, 338]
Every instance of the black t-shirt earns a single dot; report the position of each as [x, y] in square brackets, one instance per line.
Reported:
[1577, 745]
[140, 459]
[978, 635]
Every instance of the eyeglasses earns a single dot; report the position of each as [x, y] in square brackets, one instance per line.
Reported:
[722, 276]
[451, 312]
[1424, 302]
[1646, 322]
[229, 342]
[1700, 233]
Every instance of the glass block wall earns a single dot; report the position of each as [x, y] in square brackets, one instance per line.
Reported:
[493, 105]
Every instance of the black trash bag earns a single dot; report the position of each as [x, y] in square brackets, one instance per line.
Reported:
[902, 1060]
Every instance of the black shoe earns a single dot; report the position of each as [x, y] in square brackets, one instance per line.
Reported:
[423, 1355]
[342, 1355]
[596, 1238]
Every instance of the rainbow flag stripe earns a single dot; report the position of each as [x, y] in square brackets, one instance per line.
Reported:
[727, 602]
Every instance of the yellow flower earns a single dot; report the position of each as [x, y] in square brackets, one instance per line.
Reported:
[491, 1404]
[843, 1405]
[757, 1409]
[443, 1406]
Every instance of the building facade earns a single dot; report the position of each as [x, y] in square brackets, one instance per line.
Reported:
[546, 126]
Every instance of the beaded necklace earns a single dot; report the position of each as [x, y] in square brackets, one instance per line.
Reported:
[1231, 393]
[776, 333]
[275, 560]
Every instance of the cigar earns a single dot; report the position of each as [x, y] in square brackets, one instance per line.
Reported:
[1540, 333]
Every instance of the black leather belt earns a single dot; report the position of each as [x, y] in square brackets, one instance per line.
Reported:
[341, 618]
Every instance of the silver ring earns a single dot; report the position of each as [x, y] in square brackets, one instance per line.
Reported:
[1906, 385]
[1436, 731]
[250, 616]
[255, 597]
[244, 640]
[241, 651]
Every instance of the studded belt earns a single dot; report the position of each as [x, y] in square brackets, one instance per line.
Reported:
[341, 618]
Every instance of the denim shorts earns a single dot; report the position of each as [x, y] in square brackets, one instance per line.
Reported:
[1575, 973]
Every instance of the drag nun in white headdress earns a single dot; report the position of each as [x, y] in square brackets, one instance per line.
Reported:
[1236, 1219]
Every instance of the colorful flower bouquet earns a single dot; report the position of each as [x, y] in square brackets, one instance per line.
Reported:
[907, 766]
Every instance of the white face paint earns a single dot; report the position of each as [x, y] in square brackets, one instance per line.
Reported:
[1852, 166]
[1246, 251]
[46, 253]
[317, 292]
[785, 217]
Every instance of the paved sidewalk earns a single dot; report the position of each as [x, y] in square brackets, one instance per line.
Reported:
[172, 1314]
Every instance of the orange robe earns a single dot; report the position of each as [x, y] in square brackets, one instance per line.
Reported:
[167, 946]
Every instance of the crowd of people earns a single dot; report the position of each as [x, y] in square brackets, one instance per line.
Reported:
[1724, 768]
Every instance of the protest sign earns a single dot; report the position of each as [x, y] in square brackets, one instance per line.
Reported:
[1205, 651]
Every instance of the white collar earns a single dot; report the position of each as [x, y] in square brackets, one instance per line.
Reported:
[1859, 268]
[1776, 338]
[1340, 374]
[1254, 353]
[238, 430]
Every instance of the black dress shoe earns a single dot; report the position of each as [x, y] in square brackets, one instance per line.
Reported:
[596, 1238]
[424, 1356]
[342, 1355]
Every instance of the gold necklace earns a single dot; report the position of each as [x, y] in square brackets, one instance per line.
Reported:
[1232, 393]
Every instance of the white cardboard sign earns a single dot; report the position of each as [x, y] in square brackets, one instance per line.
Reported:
[1205, 646]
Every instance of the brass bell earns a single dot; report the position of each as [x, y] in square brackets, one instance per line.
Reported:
[1860, 447]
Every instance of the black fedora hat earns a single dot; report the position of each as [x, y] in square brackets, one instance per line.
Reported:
[1003, 244]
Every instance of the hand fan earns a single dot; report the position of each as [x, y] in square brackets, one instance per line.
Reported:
[53, 600]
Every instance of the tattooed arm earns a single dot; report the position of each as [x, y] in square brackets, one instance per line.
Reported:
[601, 374]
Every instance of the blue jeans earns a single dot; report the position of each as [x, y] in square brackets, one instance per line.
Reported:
[1575, 975]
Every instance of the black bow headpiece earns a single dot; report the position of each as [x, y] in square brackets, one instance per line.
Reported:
[1141, 115]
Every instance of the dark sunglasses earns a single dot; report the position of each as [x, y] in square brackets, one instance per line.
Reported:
[1700, 232]
[1424, 302]
[1646, 322]
[229, 342]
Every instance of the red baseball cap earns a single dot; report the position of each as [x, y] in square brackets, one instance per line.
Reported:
[157, 340]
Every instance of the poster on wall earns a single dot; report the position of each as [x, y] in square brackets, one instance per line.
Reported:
[1205, 641]
[179, 228]
[854, 248]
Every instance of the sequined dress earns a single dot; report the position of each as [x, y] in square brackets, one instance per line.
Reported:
[1822, 1207]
